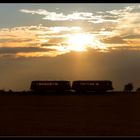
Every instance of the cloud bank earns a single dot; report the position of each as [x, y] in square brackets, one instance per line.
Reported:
[112, 30]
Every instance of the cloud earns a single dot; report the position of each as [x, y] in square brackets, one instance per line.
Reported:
[34, 41]
[96, 17]
[124, 33]
[9, 50]
[33, 35]
[114, 29]
[60, 16]
[24, 52]
[75, 16]
[114, 40]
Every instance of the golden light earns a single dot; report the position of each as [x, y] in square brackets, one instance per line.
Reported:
[79, 42]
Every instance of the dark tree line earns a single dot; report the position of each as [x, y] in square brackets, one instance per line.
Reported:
[128, 87]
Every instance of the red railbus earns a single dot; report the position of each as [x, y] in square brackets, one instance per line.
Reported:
[93, 86]
[50, 86]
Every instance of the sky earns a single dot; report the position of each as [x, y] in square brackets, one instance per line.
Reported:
[69, 41]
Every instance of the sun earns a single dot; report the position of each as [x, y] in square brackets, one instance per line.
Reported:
[79, 42]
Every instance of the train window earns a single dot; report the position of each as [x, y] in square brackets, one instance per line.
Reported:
[56, 84]
[87, 83]
[91, 83]
[108, 83]
[97, 84]
[82, 83]
[40, 84]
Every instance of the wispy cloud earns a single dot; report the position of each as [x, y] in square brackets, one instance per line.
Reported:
[96, 17]
[60, 16]
[126, 32]
[75, 16]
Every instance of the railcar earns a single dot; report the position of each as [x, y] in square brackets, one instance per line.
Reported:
[50, 86]
[92, 86]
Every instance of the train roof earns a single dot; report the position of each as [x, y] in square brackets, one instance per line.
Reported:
[48, 81]
[92, 81]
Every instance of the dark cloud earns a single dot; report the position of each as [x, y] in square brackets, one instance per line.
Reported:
[54, 44]
[56, 40]
[15, 40]
[113, 40]
[14, 50]
[131, 36]
[109, 17]
[5, 40]
[49, 44]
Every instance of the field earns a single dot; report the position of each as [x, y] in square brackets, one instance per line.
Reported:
[115, 114]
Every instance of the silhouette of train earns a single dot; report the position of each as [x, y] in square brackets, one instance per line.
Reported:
[77, 86]
[50, 85]
[92, 86]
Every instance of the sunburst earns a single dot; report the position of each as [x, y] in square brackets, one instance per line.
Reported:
[79, 42]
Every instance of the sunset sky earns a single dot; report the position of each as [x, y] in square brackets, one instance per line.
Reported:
[69, 41]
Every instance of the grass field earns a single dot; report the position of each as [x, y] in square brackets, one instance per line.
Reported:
[70, 115]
